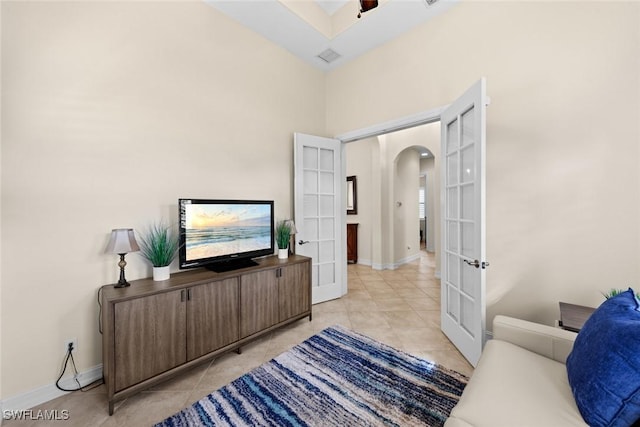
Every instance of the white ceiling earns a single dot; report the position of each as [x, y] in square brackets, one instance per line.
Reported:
[331, 6]
[278, 23]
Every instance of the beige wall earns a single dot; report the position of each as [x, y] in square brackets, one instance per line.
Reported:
[563, 136]
[406, 226]
[359, 162]
[112, 111]
[432, 196]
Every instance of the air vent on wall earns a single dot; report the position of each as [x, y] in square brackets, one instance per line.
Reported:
[329, 55]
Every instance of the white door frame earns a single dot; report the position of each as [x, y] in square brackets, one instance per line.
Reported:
[418, 119]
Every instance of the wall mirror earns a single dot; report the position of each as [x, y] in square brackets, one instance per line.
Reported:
[352, 196]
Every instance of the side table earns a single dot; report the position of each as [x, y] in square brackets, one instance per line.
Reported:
[572, 316]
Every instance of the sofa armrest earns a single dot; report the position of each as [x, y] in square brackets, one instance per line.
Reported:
[554, 343]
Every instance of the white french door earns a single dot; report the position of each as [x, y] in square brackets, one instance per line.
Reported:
[463, 221]
[318, 208]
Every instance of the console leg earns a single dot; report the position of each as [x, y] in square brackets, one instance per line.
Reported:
[239, 350]
[110, 408]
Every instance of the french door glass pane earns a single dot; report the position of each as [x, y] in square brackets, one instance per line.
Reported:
[312, 248]
[452, 203]
[466, 314]
[453, 303]
[326, 274]
[467, 280]
[452, 236]
[452, 168]
[326, 205]
[326, 182]
[326, 159]
[467, 127]
[466, 208]
[326, 251]
[310, 182]
[310, 205]
[467, 240]
[452, 136]
[310, 158]
[326, 228]
[311, 228]
[453, 273]
[467, 156]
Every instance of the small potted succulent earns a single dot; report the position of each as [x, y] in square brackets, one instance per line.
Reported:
[160, 247]
[283, 234]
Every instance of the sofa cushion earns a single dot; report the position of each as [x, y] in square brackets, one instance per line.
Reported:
[604, 365]
[512, 386]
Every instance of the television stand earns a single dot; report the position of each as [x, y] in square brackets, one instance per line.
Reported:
[153, 331]
[234, 264]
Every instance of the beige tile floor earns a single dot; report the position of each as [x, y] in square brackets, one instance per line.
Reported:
[400, 308]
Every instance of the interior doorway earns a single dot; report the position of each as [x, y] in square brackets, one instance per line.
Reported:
[388, 167]
[463, 146]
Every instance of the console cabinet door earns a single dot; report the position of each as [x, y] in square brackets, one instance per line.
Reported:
[212, 317]
[258, 301]
[149, 337]
[293, 290]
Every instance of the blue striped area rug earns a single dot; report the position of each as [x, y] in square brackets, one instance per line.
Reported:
[335, 378]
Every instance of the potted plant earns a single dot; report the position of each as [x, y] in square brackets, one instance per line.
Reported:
[283, 234]
[160, 247]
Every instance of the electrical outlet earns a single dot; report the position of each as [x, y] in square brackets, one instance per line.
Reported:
[73, 342]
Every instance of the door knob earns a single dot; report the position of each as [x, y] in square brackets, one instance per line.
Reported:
[302, 242]
[477, 264]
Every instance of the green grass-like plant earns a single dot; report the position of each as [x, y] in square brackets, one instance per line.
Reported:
[283, 233]
[614, 292]
[158, 245]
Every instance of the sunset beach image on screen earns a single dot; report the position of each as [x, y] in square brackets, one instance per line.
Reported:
[220, 229]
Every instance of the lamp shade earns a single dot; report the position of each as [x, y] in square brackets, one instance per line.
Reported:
[292, 226]
[122, 241]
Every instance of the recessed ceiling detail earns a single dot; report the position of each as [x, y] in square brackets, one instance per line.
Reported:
[280, 24]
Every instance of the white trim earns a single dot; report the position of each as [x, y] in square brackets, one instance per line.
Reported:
[393, 266]
[366, 262]
[49, 392]
[406, 122]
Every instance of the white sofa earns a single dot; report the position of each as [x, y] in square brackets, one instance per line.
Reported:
[521, 380]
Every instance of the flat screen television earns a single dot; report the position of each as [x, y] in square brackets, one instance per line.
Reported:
[224, 235]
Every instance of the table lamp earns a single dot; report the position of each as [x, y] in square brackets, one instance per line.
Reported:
[294, 230]
[122, 241]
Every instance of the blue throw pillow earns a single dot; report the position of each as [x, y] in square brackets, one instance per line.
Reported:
[604, 365]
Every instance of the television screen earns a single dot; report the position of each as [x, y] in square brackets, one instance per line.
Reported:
[224, 234]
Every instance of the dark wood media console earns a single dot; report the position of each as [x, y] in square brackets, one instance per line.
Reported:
[152, 331]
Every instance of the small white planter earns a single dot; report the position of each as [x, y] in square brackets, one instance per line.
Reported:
[283, 253]
[160, 273]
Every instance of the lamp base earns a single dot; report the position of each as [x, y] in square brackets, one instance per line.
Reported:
[122, 283]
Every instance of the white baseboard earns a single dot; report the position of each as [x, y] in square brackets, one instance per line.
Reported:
[392, 266]
[49, 392]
